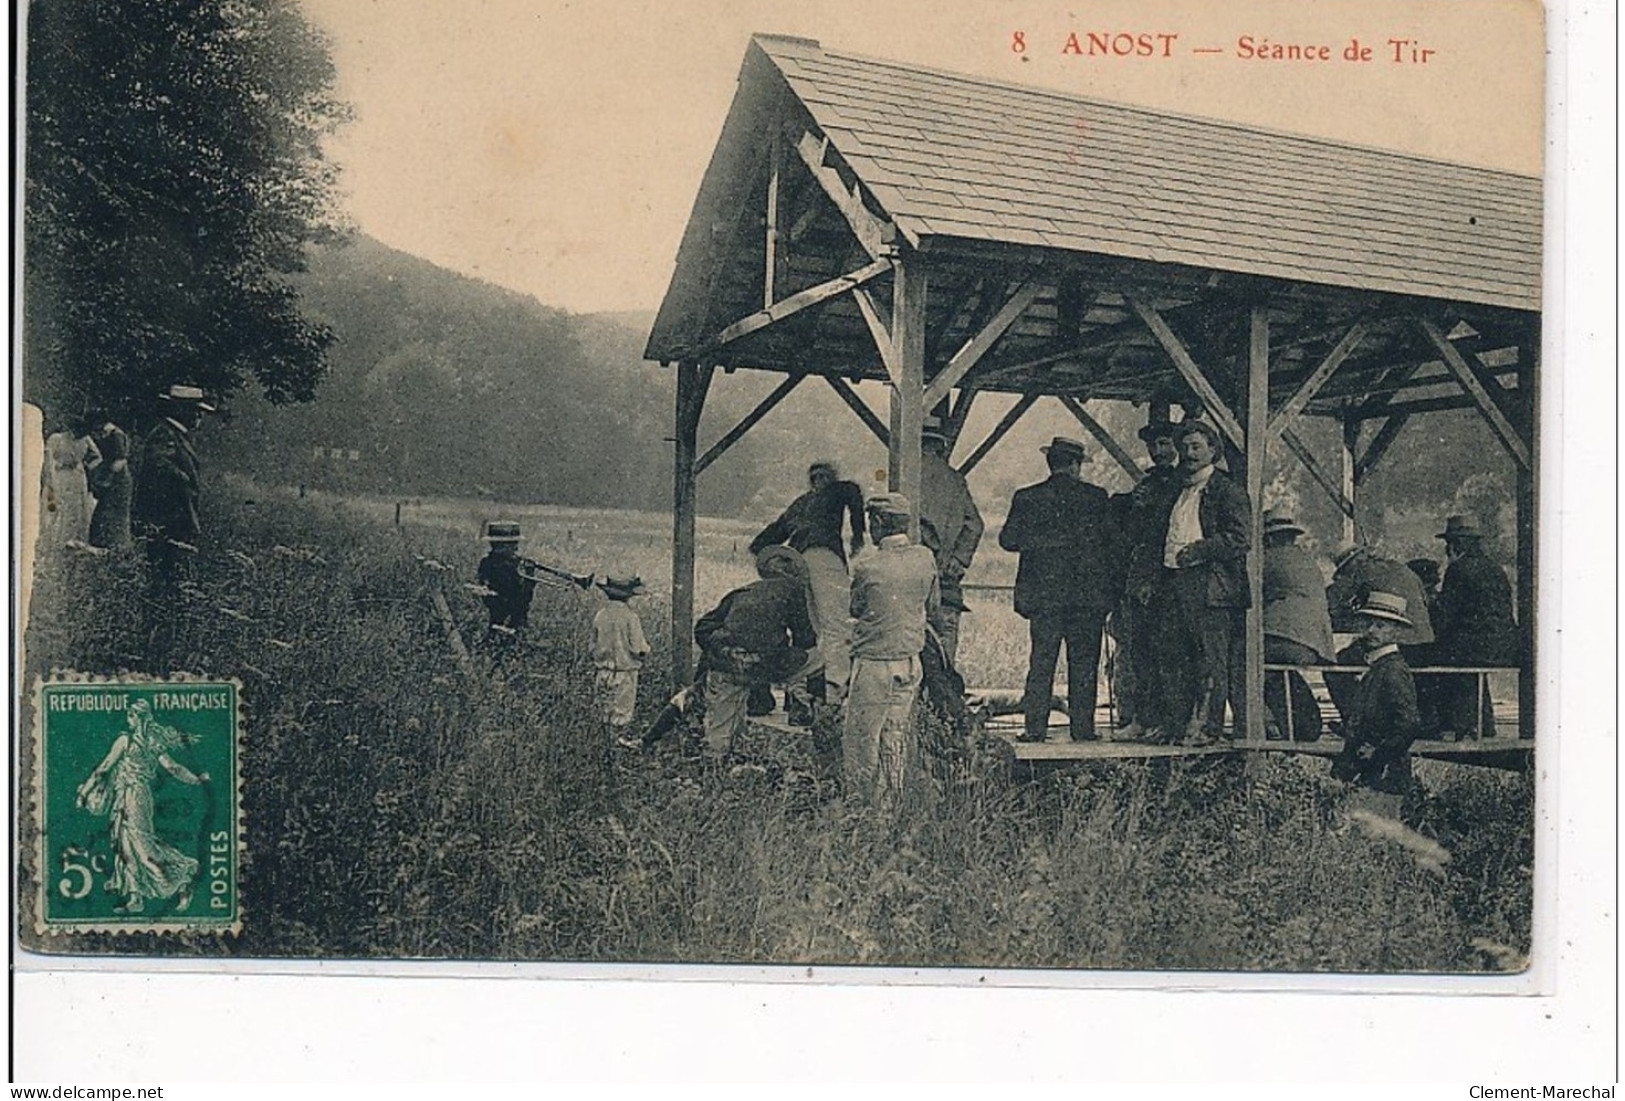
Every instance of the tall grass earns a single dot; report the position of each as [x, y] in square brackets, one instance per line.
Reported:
[397, 807]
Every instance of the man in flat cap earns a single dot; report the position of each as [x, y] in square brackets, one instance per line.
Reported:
[894, 591]
[950, 527]
[1067, 537]
[1202, 594]
[1475, 627]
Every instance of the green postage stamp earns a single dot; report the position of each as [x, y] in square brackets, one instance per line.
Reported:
[136, 803]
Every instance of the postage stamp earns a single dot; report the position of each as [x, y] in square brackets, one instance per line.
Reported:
[137, 808]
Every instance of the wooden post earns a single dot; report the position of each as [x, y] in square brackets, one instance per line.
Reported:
[1528, 519]
[1351, 477]
[1256, 446]
[908, 388]
[692, 381]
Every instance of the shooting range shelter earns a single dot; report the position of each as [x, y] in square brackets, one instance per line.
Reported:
[951, 236]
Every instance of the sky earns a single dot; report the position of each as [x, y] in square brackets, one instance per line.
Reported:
[555, 146]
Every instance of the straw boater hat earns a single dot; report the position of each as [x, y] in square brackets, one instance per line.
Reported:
[190, 394]
[1344, 552]
[1066, 445]
[1380, 605]
[503, 531]
[1278, 520]
[1461, 527]
[622, 586]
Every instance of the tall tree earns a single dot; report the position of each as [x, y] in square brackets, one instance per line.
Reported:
[174, 175]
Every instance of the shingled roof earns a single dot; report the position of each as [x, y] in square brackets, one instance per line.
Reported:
[956, 156]
[969, 169]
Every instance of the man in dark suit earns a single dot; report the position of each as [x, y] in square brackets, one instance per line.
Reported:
[1065, 532]
[1475, 626]
[164, 510]
[1202, 594]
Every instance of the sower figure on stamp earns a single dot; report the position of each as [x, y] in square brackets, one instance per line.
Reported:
[508, 592]
[145, 867]
[950, 527]
[1297, 628]
[1065, 533]
[811, 526]
[756, 636]
[894, 591]
[1476, 627]
[1135, 679]
[1202, 594]
[164, 510]
[1383, 719]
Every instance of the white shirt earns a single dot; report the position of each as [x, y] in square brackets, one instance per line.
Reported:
[1185, 522]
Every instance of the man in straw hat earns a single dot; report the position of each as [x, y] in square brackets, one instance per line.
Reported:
[1475, 627]
[1067, 537]
[893, 593]
[164, 508]
[1383, 720]
[508, 591]
[950, 527]
[1297, 628]
[811, 527]
[1202, 594]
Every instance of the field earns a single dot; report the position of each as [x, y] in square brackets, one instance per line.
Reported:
[399, 807]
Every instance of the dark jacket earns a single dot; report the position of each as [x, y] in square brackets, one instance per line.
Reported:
[814, 520]
[1068, 537]
[1295, 600]
[1138, 512]
[761, 631]
[509, 600]
[1475, 624]
[1226, 515]
[1384, 717]
[166, 485]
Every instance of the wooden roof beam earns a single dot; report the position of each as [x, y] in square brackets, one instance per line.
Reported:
[860, 407]
[797, 302]
[1378, 447]
[879, 329]
[874, 233]
[1194, 378]
[1006, 422]
[747, 422]
[979, 345]
[1105, 438]
[1332, 486]
[1317, 378]
[1474, 386]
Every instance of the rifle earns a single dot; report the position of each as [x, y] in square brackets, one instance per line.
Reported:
[532, 570]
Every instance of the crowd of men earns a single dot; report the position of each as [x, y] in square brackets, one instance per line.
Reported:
[1162, 568]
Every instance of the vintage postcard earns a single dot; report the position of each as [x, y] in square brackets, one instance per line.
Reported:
[993, 486]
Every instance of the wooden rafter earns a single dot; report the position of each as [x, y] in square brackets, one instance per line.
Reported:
[799, 301]
[860, 407]
[873, 232]
[1378, 447]
[1317, 378]
[978, 345]
[1101, 435]
[747, 422]
[1307, 457]
[1113, 337]
[957, 417]
[1471, 383]
[1194, 378]
[1006, 422]
[777, 237]
[878, 329]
